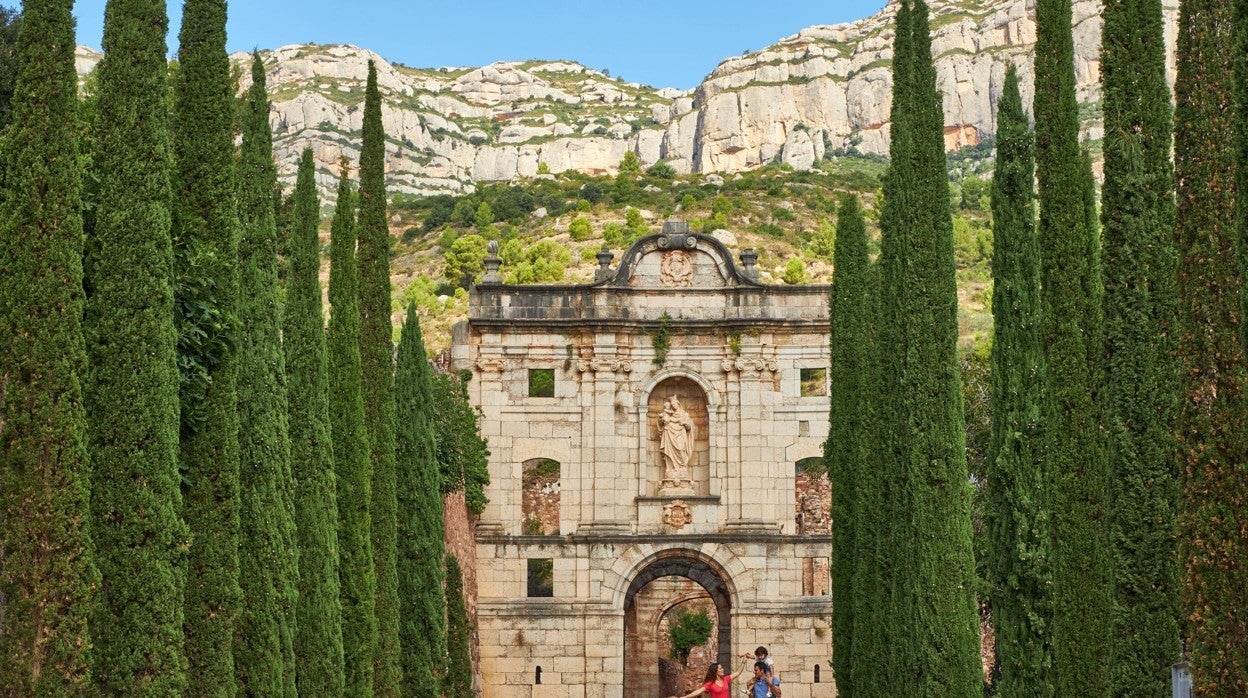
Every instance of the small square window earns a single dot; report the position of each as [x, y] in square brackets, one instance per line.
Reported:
[814, 382]
[541, 578]
[541, 382]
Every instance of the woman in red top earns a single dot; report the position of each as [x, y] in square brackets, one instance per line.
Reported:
[715, 684]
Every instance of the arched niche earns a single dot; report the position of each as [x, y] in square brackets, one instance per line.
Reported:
[693, 399]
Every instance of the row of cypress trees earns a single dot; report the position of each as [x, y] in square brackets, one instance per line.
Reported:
[1117, 445]
[151, 546]
[1144, 454]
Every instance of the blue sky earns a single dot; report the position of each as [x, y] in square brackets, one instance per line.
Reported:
[664, 43]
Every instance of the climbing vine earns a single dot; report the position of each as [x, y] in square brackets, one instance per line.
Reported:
[661, 340]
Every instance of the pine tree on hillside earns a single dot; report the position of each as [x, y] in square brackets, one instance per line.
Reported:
[377, 380]
[318, 642]
[458, 683]
[206, 237]
[847, 452]
[1016, 509]
[1141, 388]
[264, 636]
[131, 394]
[422, 601]
[1075, 466]
[351, 459]
[1213, 500]
[48, 576]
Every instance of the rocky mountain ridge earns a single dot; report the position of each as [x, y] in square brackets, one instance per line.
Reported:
[825, 90]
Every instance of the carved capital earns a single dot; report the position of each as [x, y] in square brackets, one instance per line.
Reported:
[490, 364]
[604, 366]
[755, 365]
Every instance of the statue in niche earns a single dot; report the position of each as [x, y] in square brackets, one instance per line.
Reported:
[676, 439]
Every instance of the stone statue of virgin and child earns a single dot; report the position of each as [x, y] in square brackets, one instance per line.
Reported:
[676, 438]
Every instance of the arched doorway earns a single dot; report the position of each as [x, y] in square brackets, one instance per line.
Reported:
[675, 582]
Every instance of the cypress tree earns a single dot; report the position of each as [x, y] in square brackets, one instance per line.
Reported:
[48, 576]
[131, 394]
[264, 637]
[206, 233]
[1075, 467]
[422, 604]
[1141, 387]
[318, 643]
[1213, 501]
[947, 620]
[932, 623]
[871, 515]
[888, 639]
[351, 459]
[377, 380]
[458, 683]
[1016, 508]
[847, 452]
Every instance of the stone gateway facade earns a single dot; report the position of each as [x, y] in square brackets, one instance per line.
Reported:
[662, 416]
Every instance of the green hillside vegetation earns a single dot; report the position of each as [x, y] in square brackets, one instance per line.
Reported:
[788, 216]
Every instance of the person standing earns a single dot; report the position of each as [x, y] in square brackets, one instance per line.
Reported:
[716, 683]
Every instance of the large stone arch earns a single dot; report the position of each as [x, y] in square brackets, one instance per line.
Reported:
[676, 562]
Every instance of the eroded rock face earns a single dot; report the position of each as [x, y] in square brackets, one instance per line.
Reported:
[826, 89]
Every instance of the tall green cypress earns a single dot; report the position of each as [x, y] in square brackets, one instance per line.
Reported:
[932, 420]
[377, 380]
[422, 603]
[206, 233]
[1141, 387]
[351, 455]
[458, 682]
[888, 620]
[1016, 508]
[48, 576]
[929, 619]
[1213, 501]
[318, 642]
[1075, 466]
[871, 518]
[847, 451]
[131, 394]
[264, 659]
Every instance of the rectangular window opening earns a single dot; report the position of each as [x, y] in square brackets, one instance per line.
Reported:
[814, 382]
[541, 382]
[541, 578]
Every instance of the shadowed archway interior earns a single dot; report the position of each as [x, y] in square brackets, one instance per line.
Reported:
[638, 679]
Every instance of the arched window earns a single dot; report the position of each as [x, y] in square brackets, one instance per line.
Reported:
[537, 676]
[816, 674]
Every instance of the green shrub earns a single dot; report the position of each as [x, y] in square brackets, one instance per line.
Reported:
[661, 170]
[688, 630]
[580, 229]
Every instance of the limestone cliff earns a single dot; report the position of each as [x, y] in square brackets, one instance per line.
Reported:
[828, 88]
